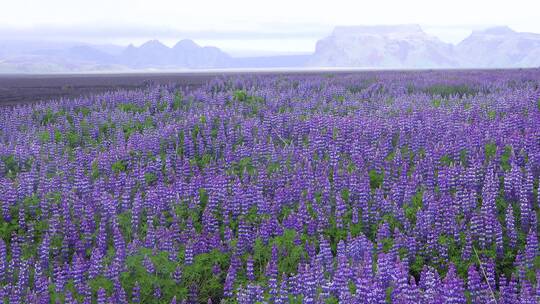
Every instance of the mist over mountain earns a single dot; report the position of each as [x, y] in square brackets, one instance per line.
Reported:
[500, 47]
[185, 54]
[385, 46]
[400, 46]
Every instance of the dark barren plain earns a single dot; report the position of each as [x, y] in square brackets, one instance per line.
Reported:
[15, 89]
[25, 88]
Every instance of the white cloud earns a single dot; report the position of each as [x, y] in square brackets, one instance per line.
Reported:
[450, 20]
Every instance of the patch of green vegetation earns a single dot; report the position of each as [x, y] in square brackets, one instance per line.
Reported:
[240, 95]
[178, 101]
[150, 178]
[416, 266]
[505, 158]
[490, 150]
[162, 106]
[387, 244]
[12, 166]
[446, 160]
[57, 136]
[101, 282]
[295, 253]
[131, 108]
[463, 157]
[7, 229]
[332, 300]
[44, 136]
[119, 166]
[94, 173]
[411, 209]
[202, 161]
[73, 139]
[251, 102]
[48, 118]
[272, 167]
[375, 179]
[244, 165]
[199, 274]
[84, 111]
[449, 90]
[137, 126]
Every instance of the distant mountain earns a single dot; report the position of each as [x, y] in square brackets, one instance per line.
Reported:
[385, 46]
[185, 54]
[45, 57]
[500, 47]
[396, 46]
[150, 54]
[89, 54]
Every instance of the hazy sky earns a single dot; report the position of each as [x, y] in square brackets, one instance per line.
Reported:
[276, 25]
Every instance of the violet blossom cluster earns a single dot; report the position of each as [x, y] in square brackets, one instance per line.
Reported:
[375, 187]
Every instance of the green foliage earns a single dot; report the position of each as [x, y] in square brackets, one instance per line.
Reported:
[463, 157]
[375, 179]
[335, 234]
[162, 106]
[201, 161]
[252, 103]
[416, 266]
[446, 160]
[389, 294]
[94, 173]
[411, 209]
[73, 139]
[332, 300]
[13, 167]
[101, 282]
[124, 221]
[243, 165]
[84, 111]
[10, 164]
[44, 137]
[137, 126]
[57, 136]
[137, 274]
[203, 197]
[490, 150]
[449, 90]
[295, 253]
[240, 95]
[7, 229]
[272, 167]
[131, 108]
[106, 129]
[178, 101]
[387, 244]
[119, 166]
[505, 158]
[150, 178]
[198, 274]
[48, 118]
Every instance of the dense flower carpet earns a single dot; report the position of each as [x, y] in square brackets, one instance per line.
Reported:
[375, 187]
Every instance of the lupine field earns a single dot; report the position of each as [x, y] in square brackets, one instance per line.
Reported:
[375, 187]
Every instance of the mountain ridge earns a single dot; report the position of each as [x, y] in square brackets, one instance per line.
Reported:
[380, 46]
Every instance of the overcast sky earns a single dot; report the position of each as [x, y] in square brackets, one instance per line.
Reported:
[241, 25]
